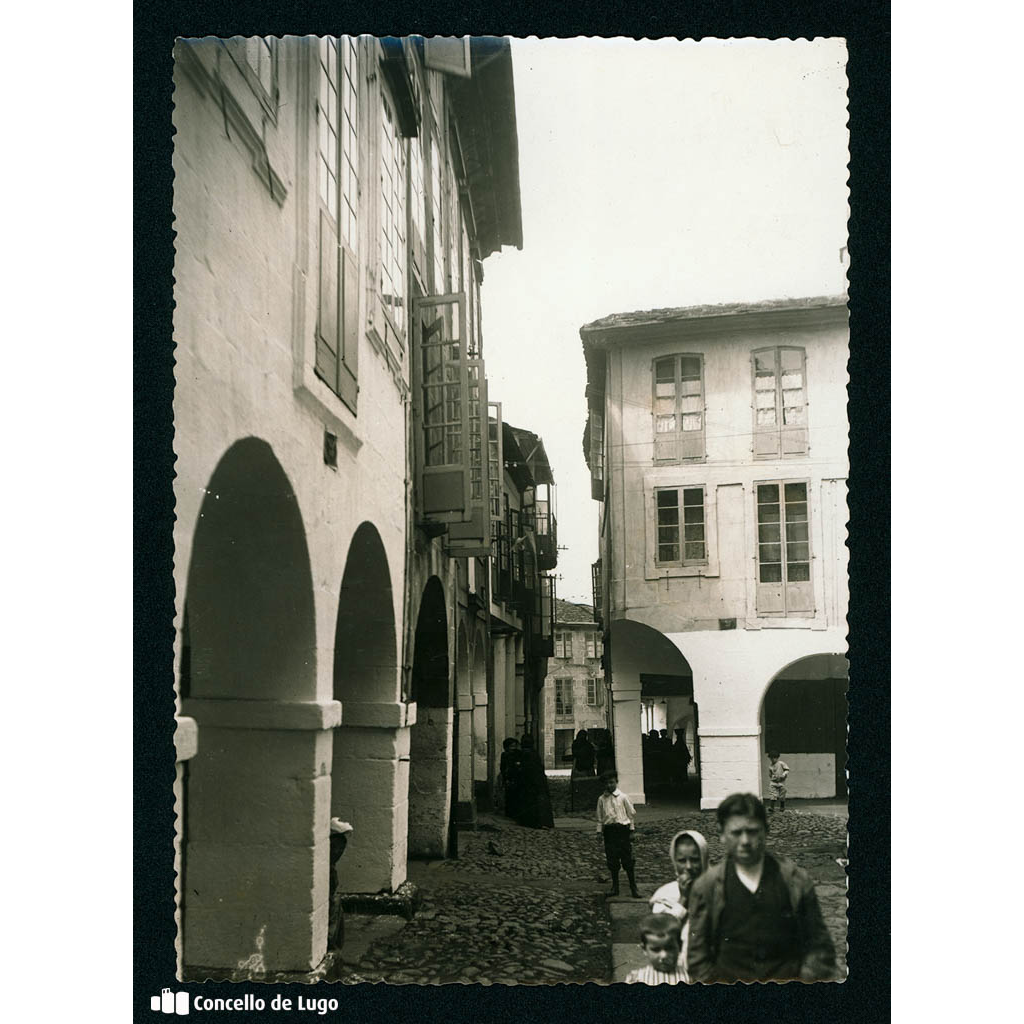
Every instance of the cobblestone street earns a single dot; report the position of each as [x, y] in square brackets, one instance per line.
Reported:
[526, 906]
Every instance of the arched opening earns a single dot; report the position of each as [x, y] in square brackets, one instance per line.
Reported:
[430, 740]
[803, 718]
[251, 791]
[366, 682]
[652, 686]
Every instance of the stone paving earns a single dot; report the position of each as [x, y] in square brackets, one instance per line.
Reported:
[527, 906]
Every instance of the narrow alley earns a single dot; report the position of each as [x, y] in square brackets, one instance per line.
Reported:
[529, 906]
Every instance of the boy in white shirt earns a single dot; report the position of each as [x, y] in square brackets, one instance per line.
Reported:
[616, 822]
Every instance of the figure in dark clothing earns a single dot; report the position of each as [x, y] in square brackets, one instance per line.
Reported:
[535, 810]
[583, 754]
[605, 756]
[681, 757]
[511, 775]
[755, 917]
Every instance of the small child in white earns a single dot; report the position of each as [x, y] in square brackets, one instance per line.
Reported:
[688, 852]
[777, 772]
[662, 945]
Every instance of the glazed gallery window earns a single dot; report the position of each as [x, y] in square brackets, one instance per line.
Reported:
[681, 524]
[780, 402]
[392, 215]
[337, 114]
[783, 548]
[563, 698]
[678, 408]
[563, 645]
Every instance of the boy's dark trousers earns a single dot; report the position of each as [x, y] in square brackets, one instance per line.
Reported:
[618, 850]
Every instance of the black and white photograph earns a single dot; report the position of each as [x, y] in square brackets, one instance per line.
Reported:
[510, 483]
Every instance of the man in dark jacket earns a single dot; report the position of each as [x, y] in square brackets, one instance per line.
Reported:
[755, 917]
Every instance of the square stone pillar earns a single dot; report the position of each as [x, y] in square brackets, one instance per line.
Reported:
[480, 737]
[628, 748]
[256, 857]
[430, 777]
[729, 763]
[370, 790]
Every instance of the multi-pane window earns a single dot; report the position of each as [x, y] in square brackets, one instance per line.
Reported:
[597, 445]
[591, 645]
[563, 698]
[783, 548]
[392, 215]
[595, 692]
[417, 190]
[780, 402]
[682, 536]
[337, 193]
[563, 644]
[678, 408]
[442, 397]
[338, 178]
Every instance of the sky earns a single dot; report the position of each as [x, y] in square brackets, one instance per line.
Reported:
[653, 174]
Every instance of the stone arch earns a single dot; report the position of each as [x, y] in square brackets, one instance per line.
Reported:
[365, 641]
[652, 687]
[365, 759]
[803, 713]
[252, 788]
[252, 628]
[430, 739]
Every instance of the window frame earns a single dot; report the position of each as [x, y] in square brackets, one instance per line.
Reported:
[337, 340]
[595, 692]
[784, 597]
[563, 686]
[680, 525]
[678, 445]
[780, 440]
[563, 640]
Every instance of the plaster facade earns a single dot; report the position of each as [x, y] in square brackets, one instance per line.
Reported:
[578, 650]
[726, 631]
[313, 603]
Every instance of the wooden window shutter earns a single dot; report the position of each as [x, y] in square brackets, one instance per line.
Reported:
[769, 565]
[348, 364]
[766, 412]
[327, 313]
[449, 54]
[665, 402]
[691, 412]
[793, 403]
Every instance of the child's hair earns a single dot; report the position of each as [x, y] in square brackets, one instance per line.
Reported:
[660, 926]
[609, 775]
[744, 805]
[774, 754]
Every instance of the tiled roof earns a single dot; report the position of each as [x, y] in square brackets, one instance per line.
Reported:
[566, 611]
[646, 317]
